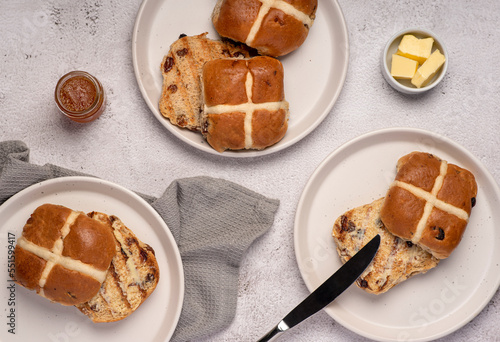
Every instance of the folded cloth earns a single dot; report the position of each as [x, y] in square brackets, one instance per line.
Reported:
[213, 221]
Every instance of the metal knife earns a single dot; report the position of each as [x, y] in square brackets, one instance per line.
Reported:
[329, 290]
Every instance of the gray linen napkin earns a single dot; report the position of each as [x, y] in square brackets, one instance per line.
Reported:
[212, 220]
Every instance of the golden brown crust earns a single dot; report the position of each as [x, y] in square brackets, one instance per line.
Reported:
[180, 100]
[54, 232]
[280, 34]
[224, 84]
[29, 268]
[268, 77]
[69, 287]
[284, 27]
[458, 182]
[269, 127]
[438, 222]
[234, 18]
[226, 131]
[442, 234]
[90, 242]
[419, 169]
[402, 210]
[43, 228]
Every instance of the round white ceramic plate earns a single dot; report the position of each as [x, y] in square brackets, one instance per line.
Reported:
[314, 73]
[426, 306]
[37, 319]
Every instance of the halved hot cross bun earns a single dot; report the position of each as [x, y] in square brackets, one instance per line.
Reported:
[180, 100]
[132, 277]
[429, 203]
[273, 27]
[63, 255]
[244, 103]
[396, 260]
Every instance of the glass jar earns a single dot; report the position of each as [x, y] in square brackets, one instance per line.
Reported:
[80, 96]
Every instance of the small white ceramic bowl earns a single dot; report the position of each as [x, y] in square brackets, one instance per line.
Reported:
[391, 47]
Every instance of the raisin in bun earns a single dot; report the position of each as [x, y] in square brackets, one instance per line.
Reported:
[273, 27]
[63, 255]
[244, 103]
[180, 100]
[429, 203]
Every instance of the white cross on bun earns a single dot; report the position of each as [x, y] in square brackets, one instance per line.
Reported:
[244, 103]
[93, 262]
[63, 254]
[273, 27]
[429, 203]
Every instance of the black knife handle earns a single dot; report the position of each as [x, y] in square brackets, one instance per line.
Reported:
[328, 290]
[335, 285]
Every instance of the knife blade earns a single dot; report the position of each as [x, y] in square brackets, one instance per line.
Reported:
[329, 290]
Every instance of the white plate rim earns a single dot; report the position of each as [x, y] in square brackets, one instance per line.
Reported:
[492, 284]
[49, 188]
[142, 21]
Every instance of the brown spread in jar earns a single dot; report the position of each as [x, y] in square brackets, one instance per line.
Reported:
[80, 96]
[77, 94]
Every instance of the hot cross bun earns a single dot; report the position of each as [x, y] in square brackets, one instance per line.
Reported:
[244, 103]
[63, 255]
[429, 203]
[273, 27]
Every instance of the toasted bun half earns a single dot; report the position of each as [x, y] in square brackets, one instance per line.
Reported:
[131, 279]
[180, 100]
[396, 260]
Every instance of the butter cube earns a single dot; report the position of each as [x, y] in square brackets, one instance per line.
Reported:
[402, 67]
[415, 48]
[427, 71]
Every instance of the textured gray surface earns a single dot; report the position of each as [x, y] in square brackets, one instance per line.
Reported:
[41, 40]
